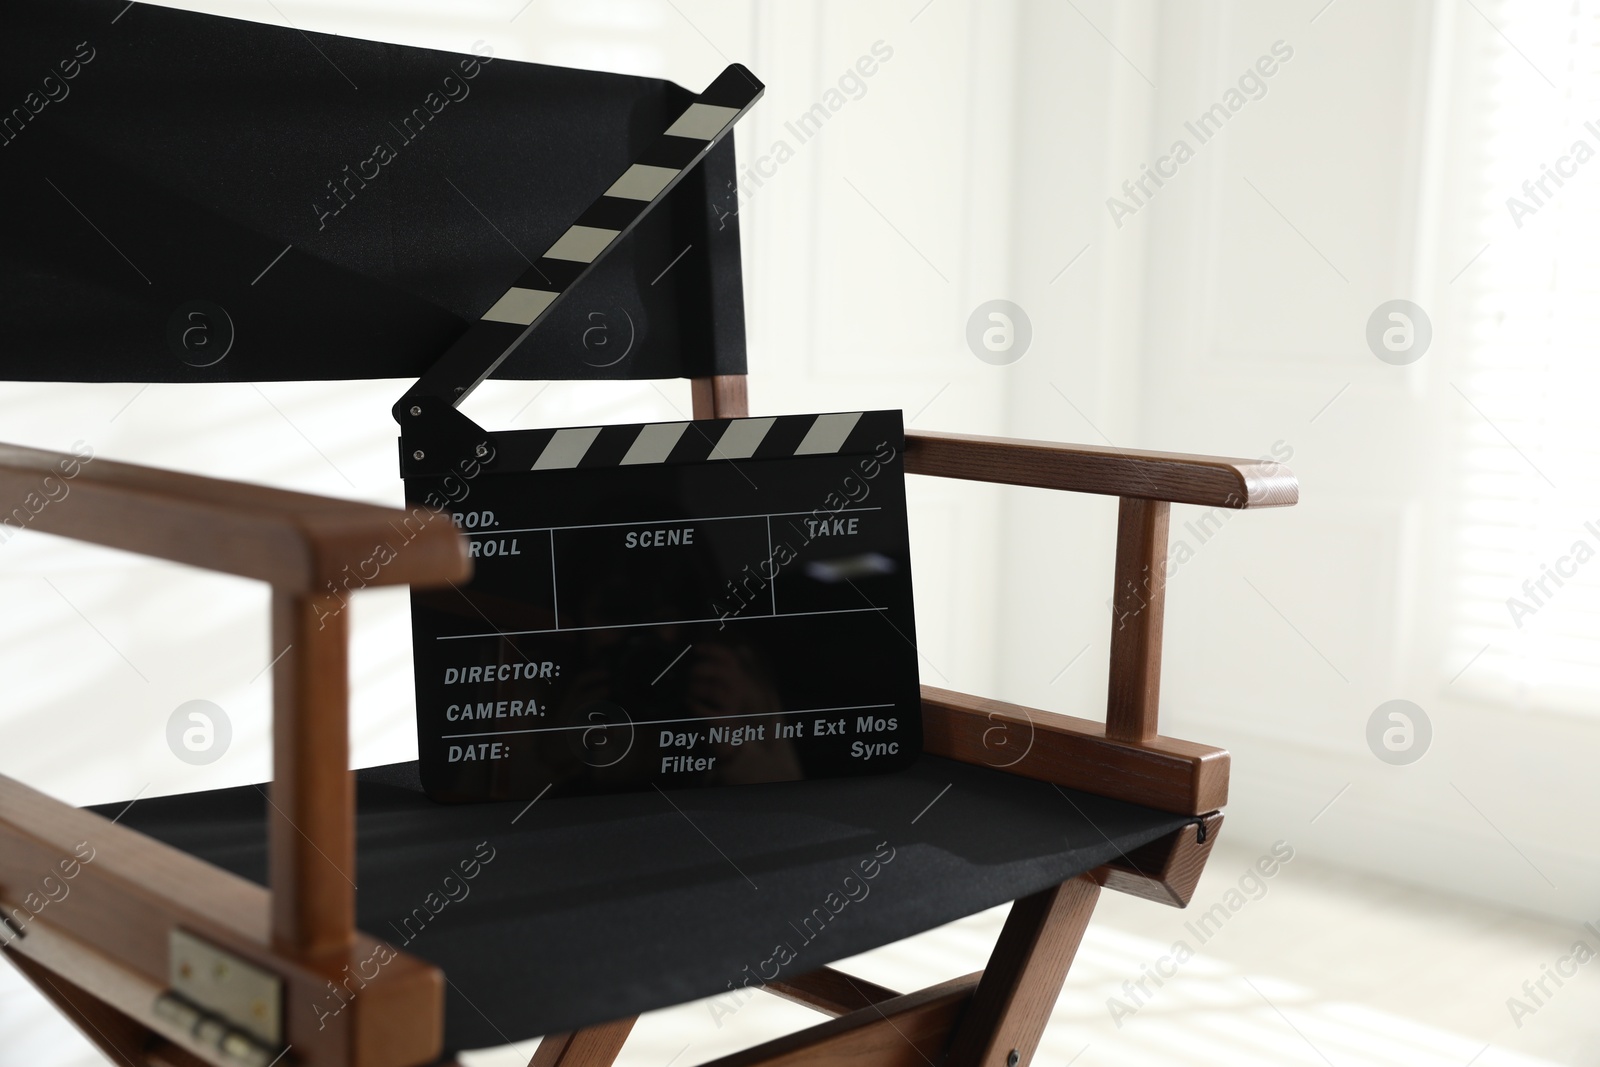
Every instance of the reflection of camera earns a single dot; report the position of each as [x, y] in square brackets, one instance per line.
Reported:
[634, 663]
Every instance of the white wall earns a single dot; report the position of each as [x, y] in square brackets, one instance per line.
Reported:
[1338, 190]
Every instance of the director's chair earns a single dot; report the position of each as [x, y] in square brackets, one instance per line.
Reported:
[226, 927]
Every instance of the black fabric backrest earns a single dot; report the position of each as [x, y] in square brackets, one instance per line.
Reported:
[154, 164]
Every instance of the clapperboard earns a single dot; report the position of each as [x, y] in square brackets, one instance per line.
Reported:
[674, 604]
[688, 603]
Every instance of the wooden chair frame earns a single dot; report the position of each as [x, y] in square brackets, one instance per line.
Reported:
[101, 954]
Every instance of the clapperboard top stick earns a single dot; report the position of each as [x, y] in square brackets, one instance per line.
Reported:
[671, 443]
[516, 314]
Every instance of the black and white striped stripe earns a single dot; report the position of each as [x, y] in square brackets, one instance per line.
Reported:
[702, 441]
[640, 188]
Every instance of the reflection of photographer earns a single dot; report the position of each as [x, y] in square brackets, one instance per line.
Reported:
[609, 693]
[728, 680]
[723, 683]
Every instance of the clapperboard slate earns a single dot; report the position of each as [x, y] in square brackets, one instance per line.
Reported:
[675, 604]
[678, 604]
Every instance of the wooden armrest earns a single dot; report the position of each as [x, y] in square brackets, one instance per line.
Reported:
[1147, 483]
[1158, 772]
[1183, 479]
[314, 551]
[297, 542]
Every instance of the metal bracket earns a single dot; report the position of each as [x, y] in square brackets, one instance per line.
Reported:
[220, 984]
[436, 439]
[235, 1046]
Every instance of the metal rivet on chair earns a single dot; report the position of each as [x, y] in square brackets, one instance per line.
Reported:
[416, 409]
[417, 454]
[1013, 1059]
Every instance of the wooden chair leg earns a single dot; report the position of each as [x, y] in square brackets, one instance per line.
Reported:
[1167, 869]
[830, 992]
[121, 1039]
[1025, 973]
[594, 1046]
[910, 1030]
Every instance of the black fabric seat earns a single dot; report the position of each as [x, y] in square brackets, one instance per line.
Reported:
[586, 909]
